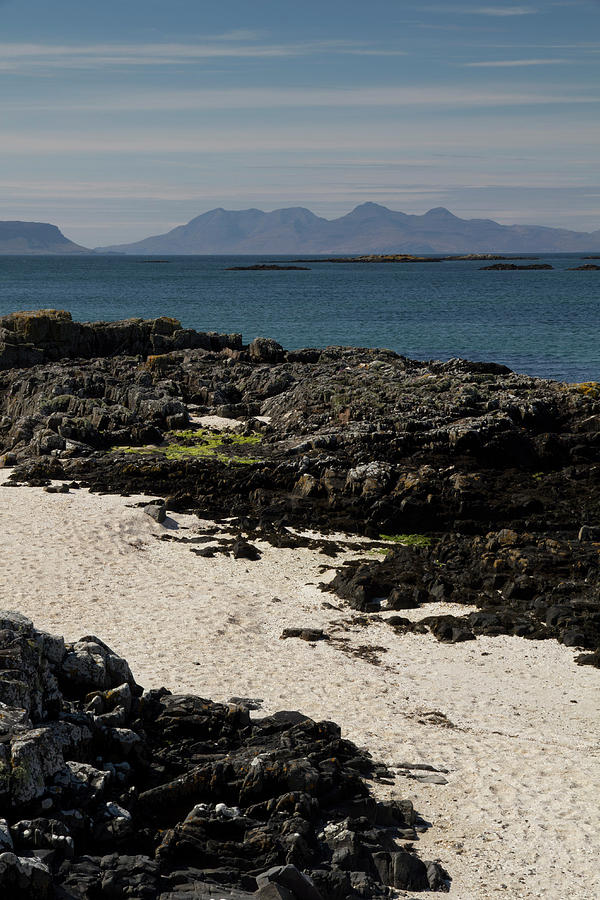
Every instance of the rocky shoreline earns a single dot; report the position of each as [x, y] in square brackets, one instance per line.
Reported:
[503, 467]
[108, 791]
[474, 486]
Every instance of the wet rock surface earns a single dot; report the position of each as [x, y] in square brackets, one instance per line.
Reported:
[110, 792]
[335, 439]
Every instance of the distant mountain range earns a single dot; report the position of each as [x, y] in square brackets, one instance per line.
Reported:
[369, 228]
[35, 238]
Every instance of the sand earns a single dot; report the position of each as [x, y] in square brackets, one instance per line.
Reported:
[514, 722]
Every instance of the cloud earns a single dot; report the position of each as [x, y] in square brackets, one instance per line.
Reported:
[510, 63]
[502, 11]
[534, 135]
[246, 98]
[34, 56]
[593, 46]
[498, 11]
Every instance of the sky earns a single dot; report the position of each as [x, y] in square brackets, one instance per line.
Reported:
[123, 119]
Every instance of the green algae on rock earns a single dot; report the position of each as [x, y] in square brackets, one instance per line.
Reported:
[409, 540]
[201, 443]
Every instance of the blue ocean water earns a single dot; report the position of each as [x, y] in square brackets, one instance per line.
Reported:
[542, 323]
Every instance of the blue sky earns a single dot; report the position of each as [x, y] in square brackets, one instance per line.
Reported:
[123, 119]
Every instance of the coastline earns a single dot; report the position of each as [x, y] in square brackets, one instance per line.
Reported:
[518, 815]
[146, 456]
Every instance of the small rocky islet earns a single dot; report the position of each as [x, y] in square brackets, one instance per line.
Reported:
[480, 486]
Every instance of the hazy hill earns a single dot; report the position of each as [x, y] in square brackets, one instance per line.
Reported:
[369, 228]
[35, 238]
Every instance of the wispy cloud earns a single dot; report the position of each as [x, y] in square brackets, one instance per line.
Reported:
[502, 11]
[510, 63]
[299, 137]
[554, 45]
[290, 97]
[28, 56]
[382, 178]
[497, 11]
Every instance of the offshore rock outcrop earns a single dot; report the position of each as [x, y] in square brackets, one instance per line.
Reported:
[337, 439]
[108, 792]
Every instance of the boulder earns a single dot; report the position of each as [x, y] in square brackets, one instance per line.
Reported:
[156, 511]
[266, 350]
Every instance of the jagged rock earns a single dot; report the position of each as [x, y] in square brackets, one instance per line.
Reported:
[112, 876]
[558, 601]
[31, 835]
[449, 629]
[90, 665]
[266, 350]
[360, 440]
[6, 841]
[297, 884]
[35, 757]
[26, 878]
[80, 784]
[402, 870]
[183, 798]
[28, 338]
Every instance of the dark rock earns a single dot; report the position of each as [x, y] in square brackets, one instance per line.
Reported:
[243, 550]
[402, 870]
[158, 512]
[24, 878]
[559, 601]
[113, 875]
[108, 793]
[589, 533]
[438, 877]
[449, 629]
[358, 440]
[266, 350]
[297, 884]
[402, 598]
[305, 634]
[273, 891]
[29, 338]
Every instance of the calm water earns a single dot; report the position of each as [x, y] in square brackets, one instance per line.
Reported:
[543, 323]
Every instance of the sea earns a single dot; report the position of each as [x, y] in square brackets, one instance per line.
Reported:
[544, 323]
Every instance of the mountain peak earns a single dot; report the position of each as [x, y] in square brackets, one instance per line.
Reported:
[369, 228]
[440, 212]
[367, 211]
[369, 206]
[35, 238]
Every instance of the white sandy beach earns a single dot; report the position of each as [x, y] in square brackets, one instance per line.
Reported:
[515, 723]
